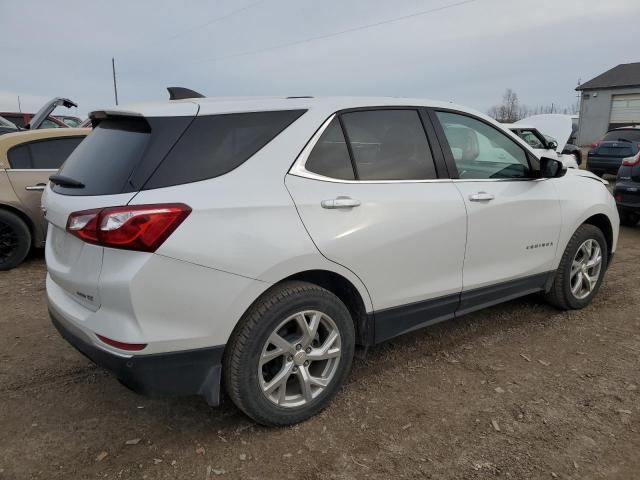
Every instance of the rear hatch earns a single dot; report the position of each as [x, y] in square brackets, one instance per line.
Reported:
[617, 144]
[107, 169]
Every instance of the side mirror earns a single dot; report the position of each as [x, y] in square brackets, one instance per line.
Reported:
[552, 145]
[551, 168]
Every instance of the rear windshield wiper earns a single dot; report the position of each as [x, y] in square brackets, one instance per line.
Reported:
[66, 181]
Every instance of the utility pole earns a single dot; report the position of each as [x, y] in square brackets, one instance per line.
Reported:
[115, 85]
[19, 106]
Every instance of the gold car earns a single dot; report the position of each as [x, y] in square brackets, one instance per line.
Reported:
[27, 160]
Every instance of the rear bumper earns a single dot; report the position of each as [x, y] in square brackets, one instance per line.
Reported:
[609, 165]
[191, 372]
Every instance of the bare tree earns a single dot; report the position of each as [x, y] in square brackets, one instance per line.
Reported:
[510, 110]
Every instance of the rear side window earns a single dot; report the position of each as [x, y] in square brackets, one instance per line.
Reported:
[330, 156]
[43, 154]
[389, 145]
[216, 144]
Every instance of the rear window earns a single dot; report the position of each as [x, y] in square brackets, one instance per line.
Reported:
[622, 136]
[124, 155]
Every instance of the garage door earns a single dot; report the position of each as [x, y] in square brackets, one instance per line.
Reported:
[625, 110]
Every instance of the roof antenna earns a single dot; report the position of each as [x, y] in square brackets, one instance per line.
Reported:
[181, 93]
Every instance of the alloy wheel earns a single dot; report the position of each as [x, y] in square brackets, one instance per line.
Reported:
[585, 269]
[299, 359]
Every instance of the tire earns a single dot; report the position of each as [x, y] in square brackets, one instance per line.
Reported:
[561, 295]
[247, 382]
[15, 240]
[629, 219]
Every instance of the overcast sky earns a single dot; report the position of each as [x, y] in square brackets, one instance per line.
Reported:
[468, 53]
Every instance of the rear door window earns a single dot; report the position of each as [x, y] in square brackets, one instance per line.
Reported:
[389, 145]
[43, 154]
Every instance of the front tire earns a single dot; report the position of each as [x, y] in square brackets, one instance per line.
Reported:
[581, 269]
[290, 354]
[15, 240]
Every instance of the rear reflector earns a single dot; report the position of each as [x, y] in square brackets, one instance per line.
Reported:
[137, 227]
[132, 347]
[632, 161]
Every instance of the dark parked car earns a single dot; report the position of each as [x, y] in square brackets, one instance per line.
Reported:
[627, 191]
[606, 156]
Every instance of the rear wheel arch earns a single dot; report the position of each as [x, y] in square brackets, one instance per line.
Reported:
[347, 292]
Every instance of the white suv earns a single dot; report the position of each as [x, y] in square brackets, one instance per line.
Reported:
[256, 242]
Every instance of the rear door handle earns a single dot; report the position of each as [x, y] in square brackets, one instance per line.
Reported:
[340, 202]
[481, 197]
[37, 187]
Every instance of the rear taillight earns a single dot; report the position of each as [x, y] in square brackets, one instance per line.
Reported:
[137, 227]
[595, 145]
[632, 161]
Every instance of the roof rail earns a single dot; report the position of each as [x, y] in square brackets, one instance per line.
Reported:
[181, 93]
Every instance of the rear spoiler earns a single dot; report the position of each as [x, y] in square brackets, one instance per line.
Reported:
[98, 116]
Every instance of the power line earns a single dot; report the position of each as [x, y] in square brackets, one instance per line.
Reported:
[334, 34]
[213, 20]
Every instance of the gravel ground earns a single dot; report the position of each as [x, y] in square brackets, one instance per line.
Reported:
[516, 391]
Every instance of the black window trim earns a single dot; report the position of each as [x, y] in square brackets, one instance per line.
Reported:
[534, 163]
[298, 167]
[26, 144]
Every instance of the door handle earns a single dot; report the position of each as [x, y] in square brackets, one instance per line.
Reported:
[36, 187]
[481, 197]
[340, 202]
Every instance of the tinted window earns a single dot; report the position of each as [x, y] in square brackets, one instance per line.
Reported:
[622, 136]
[107, 157]
[482, 151]
[389, 145]
[216, 144]
[129, 154]
[19, 157]
[44, 154]
[51, 154]
[330, 156]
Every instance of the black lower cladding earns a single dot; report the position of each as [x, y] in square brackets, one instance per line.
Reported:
[395, 321]
[190, 372]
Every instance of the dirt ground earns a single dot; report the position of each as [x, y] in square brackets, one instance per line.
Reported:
[516, 391]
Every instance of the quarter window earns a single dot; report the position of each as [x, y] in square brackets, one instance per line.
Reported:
[389, 145]
[330, 156]
[43, 154]
[481, 151]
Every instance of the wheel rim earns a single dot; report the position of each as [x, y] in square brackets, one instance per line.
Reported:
[8, 241]
[299, 359]
[585, 269]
